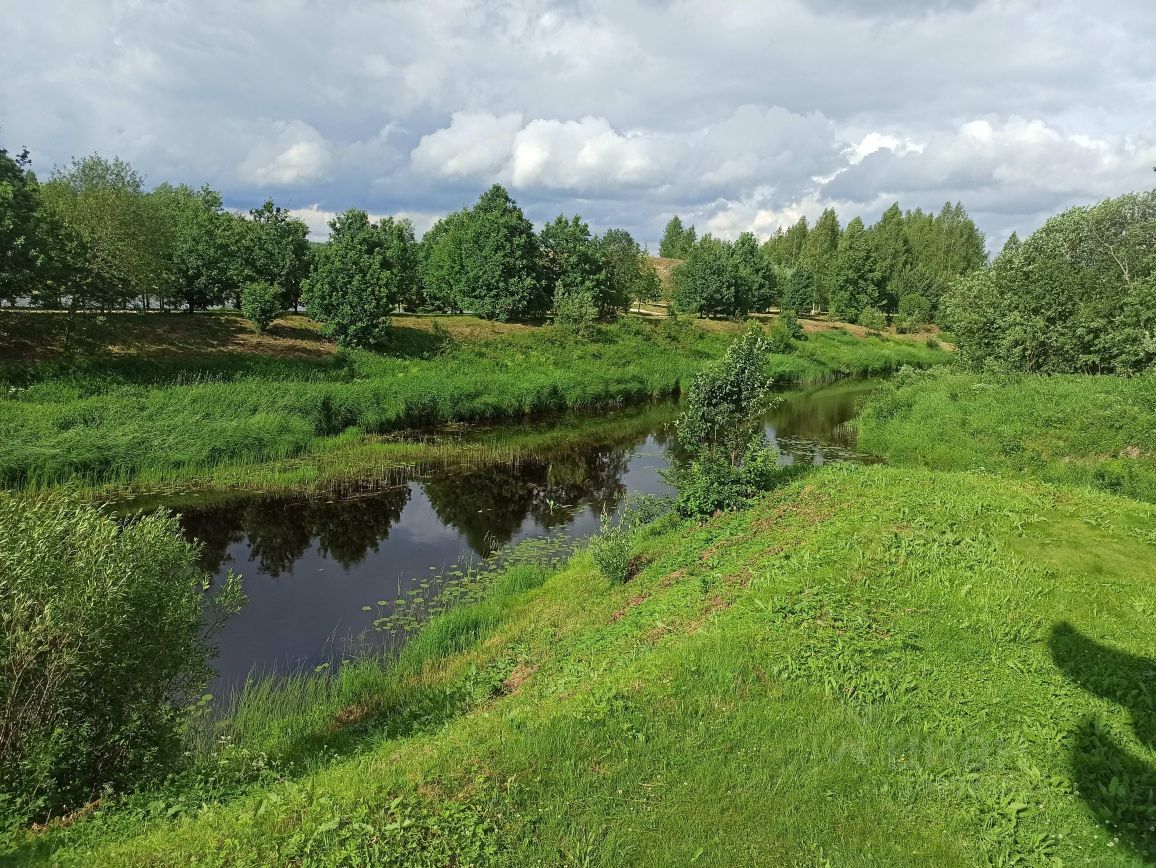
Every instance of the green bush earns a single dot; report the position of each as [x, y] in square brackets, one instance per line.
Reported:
[780, 340]
[914, 313]
[261, 303]
[611, 549]
[790, 318]
[575, 311]
[103, 647]
[872, 319]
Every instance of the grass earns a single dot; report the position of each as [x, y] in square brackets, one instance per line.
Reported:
[1092, 431]
[873, 665]
[134, 413]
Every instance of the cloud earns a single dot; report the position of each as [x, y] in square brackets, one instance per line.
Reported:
[738, 115]
[294, 154]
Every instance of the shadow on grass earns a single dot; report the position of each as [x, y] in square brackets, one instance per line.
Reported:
[1118, 786]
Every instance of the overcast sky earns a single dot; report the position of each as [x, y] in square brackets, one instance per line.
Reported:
[736, 115]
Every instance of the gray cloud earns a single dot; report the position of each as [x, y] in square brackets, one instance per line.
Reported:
[739, 115]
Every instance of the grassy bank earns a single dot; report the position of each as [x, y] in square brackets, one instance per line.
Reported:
[1095, 432]
[131, 414]
[875, 665]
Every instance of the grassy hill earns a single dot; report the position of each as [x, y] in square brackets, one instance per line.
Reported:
[872, 666]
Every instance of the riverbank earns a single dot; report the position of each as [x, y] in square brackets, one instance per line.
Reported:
[1096, 432]
[875, 664]
[125, 422]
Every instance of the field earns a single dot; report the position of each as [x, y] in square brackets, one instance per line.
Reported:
[146, 399]
[876, 665]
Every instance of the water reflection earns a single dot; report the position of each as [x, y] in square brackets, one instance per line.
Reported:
[311, 563]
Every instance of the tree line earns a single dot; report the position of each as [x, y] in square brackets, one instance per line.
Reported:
[902, 265]
[92, 237]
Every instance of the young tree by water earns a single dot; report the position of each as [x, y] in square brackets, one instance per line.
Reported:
[628, 271]
[360, 276]
[572, 266]
[725, 455]
[498, 276]
[277, 250]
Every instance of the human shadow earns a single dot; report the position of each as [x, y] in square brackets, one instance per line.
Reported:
[1119, 787]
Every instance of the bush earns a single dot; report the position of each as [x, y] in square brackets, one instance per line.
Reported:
[261, 303]
[914, 312]
[103, 647]
[575, 311]
[872, 319]
[611, 548]
[790, 318]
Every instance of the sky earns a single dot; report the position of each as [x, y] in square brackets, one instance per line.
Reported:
[734, 115]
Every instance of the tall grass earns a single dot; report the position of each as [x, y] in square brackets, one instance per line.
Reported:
[92, 430]
[1097, 432]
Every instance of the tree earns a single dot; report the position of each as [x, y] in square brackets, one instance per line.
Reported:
[819, 257]
[360, 275]
[707, 282]
[648, 287]
[193, 235]
[1078, 295]
[677, 240]
[799, 289]
[441, 263]
[103, 203]
[725, 459]
[22, 253]
[628, 272]
[785, 249]
[572, 264]
[914, 312]
[855, 279]
[872, 319]
[278, 250]
[261, 303]
[756, 280]
[893, 254]
[498, 275]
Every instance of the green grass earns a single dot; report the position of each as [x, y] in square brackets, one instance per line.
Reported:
[871, 666]
[1092, 431]
[109, 418]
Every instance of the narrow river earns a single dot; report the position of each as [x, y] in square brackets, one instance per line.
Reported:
[310, 564]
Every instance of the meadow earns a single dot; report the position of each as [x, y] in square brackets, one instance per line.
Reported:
[147, 399]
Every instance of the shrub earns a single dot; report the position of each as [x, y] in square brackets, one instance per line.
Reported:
[933, 342]
[914, 311]
[790, 318]
[261, 303]
[872, 319]
[780, 340]
[103, 647]
[611, 548]
[575, 311]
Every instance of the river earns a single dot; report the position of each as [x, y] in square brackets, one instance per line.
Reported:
[313, 564]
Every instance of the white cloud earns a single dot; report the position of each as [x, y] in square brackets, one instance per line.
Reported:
[295, 154]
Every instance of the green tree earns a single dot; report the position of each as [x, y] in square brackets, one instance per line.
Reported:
[360, 276]
[785, 249]
[799, 289]
[572, 264]
[103, 649]
[677, 240]
[1078, 295]
[278, 250]
[192, 233]
[648, 287]
[22, 255]
[707, 282]
[627, 270]
[819, 256]
[499, 261]
[757, 283]
[261, 303]
[441, 263]
[872, 319]
[103, 203]
[855, 279]
[893, 255]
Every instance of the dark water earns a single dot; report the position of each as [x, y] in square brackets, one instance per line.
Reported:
[311, 563]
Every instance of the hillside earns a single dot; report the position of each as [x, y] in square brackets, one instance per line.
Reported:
[874, 665]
